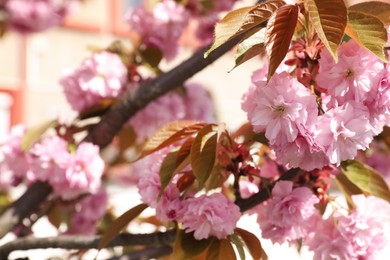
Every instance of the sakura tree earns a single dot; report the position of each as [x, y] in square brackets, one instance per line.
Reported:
[318, 112]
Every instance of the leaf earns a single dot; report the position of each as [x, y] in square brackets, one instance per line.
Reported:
[242, 20]
[347, 188]
[169, 134]
[185, 181]
[329, 19]
[203, 153]
[366, 178]
[235, 239]
[221, 250]
[152, 56]
[33, 134]
[115, 228]
[174, 162]
[280, 30]
[251, 241]
[250, 47]
[379, 9]
[368, 31]
[186, 246]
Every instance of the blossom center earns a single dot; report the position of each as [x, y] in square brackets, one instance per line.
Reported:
[349, 73]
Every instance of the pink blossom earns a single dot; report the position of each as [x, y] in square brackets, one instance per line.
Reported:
[149, 186]
[162, 27]
[377, 101]
[269, 169]
[165, 109]
[351, 77]
[367, 227]
[209, 215]
[290, 213]
[327, 242]
[88, 212]
[101, 76]
[280, 107]
[28, 16]
[13, 162]
[48, 159]
[343, 130]
[198, 103]
[82, 173]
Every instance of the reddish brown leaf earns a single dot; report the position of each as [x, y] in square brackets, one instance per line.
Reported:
[221, 250]
[251, 241]
[280, 30]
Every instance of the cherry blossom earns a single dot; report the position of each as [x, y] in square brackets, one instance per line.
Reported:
[103, 75]
[290, 213]
[209, 215]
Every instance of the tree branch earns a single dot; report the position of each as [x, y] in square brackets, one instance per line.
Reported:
[24, 206]
[87, 242]
[147, 253]
[264, 194]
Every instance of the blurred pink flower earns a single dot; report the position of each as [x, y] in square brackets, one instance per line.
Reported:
[28, 16]
[198, 103]
[290, 213]
[209, 215]
[13, 161]
[327, 243]
[48, 159]
[101, 76]
[88, 212]
[167, 108]
[162, 27]
[82, 173]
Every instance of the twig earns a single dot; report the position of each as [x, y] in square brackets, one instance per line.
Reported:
[265, 193]
[87, 242]
[24, 206]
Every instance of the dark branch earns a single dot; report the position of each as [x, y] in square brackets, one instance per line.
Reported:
[24, 206]
[126, 107]
[87, 242]
[264, 194]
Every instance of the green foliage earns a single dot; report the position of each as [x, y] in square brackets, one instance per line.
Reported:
[329, 19]
[33, 134]
[368, 31]
[366, 179]
[221, 250]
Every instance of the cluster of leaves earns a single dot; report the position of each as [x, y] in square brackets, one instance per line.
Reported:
[331, 20]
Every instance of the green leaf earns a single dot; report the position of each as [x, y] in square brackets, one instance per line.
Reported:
[221, 250]
[115, 228]
[169, 134]
[368, 31]
[174, 162]
[250, 47]
[186, 246]
[203, 153]
[151, 55]
[366, 179]
[347, 188]
[235, 239]
[329, 19]
[242, 20]
[379, 9]
[280, 30]
[33, 134]
[252, 243]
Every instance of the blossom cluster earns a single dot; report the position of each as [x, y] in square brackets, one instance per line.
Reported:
[309, 131]
[206, 215]
[70, 174]
[29, 16]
